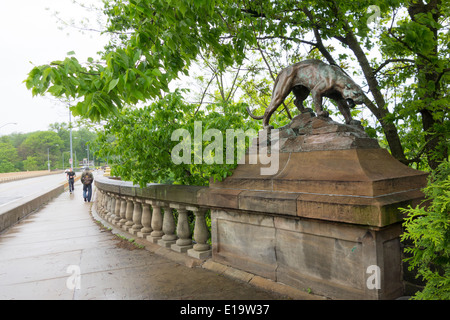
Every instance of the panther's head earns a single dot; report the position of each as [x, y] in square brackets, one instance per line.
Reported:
[353, 94]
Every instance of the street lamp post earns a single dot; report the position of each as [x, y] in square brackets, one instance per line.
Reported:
[70, 133]
[48, 159]
[7, 124]
[87, 154]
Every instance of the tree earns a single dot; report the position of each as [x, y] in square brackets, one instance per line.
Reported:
[30, 164]
[8, 157]
[41, 146]
[62, 130]
[81, 139]
[427, 231]
[159, 40]
[143, 142]
[418, 47]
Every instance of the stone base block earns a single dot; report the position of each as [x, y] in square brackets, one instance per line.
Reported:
[199, 254]
[356, 186]
[143, 234]
[166, 243]
[120, 223]
[181, 249]
[133, 231]
[336, 260]
[153, 239]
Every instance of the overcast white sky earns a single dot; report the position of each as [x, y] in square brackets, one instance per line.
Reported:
[30, 33]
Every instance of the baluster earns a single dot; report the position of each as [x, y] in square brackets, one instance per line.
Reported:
[102, 203]
[108, 204]
[98, 200]
[168, 228]
[123, 210]
[137, 216]
[184, 242]
[105, 204]
[129, 214]
[111, 209]
[157, 232]
[146, 220]
[201, 249]
[117, 210]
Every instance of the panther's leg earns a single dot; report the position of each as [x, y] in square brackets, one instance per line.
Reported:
[317, 93]
[301, 93]
[345, 110]
[317, 99]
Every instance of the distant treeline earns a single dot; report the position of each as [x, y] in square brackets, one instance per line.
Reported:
[31, 151]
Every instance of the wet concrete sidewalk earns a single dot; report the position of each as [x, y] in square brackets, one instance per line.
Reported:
[61, 247]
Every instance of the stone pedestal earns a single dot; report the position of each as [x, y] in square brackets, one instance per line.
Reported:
[199, 254]
[326, 221]
[166, 243]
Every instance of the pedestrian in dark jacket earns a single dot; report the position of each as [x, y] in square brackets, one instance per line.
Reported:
[86, 179]
[71, 177]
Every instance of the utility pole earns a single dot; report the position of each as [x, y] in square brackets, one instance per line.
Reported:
[70, 133]
[88, 153]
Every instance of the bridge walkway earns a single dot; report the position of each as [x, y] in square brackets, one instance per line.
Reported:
[61, 252]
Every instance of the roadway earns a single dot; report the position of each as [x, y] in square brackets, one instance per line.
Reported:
[15, 190]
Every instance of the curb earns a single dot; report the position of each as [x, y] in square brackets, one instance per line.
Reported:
[12, 213]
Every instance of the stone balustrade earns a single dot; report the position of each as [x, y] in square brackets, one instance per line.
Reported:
[158, 213]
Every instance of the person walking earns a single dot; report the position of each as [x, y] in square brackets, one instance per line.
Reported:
[71, 177]
[86, 179]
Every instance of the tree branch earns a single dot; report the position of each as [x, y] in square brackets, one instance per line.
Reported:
[204, 94]
[319, 45]
[390, 61]
[441, 74]
[407, 46]
[268, 66]
[288, 38]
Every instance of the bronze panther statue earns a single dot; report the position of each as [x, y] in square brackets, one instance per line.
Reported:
[319, 79]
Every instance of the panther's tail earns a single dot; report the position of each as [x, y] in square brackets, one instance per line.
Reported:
[253, 116]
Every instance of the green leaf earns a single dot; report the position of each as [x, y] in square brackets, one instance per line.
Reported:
[113, 84]
[55, 90]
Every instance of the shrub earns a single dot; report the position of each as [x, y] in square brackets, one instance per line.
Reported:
[427, 227]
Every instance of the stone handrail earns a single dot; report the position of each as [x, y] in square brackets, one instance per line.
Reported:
[148, 213]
